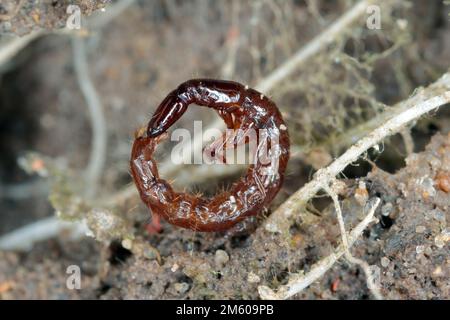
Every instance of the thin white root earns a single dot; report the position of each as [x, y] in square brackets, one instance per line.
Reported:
[286, 69]
[9, 48]
[300, 281]
[25, 190]
[330, 35]
[266, 84]
[408, 141]
[24, 238]
[97, 118]
[414, 108]
[232, 43]
[345, 244]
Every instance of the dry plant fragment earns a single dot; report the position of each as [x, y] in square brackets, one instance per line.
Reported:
[345, 243]
[300, 281]
[96, 114]
[401, 115]
[279, 221]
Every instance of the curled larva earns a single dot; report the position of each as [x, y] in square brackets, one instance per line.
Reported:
[241, 108]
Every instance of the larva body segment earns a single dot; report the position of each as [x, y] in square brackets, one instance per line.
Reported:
[241, 108]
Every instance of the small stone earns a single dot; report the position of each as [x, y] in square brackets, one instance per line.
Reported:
[181, 287]
[443, 181]
[221, 257]
[127, 244]
[420, 249]
[403, 189]
[151, 253]
[412, 270]
[387, 209]
[402, 23]
[438, 215]
[175, 267]
[428, 251]
[384, 262]
[420, 229]
[272, 227]
[428, 189]
[253, 278]
[339, 186]
[361, 193]
[435, 162]
[437, 272]
[442, 238]
[89, 233]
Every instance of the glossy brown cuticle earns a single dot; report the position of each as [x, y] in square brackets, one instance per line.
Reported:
[241, 108]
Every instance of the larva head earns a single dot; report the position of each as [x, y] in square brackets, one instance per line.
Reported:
[168, 112]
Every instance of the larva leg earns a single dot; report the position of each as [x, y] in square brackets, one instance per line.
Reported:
[227, 118]
[155, 225]
[215, 150]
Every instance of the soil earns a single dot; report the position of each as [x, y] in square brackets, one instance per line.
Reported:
[134, 61]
